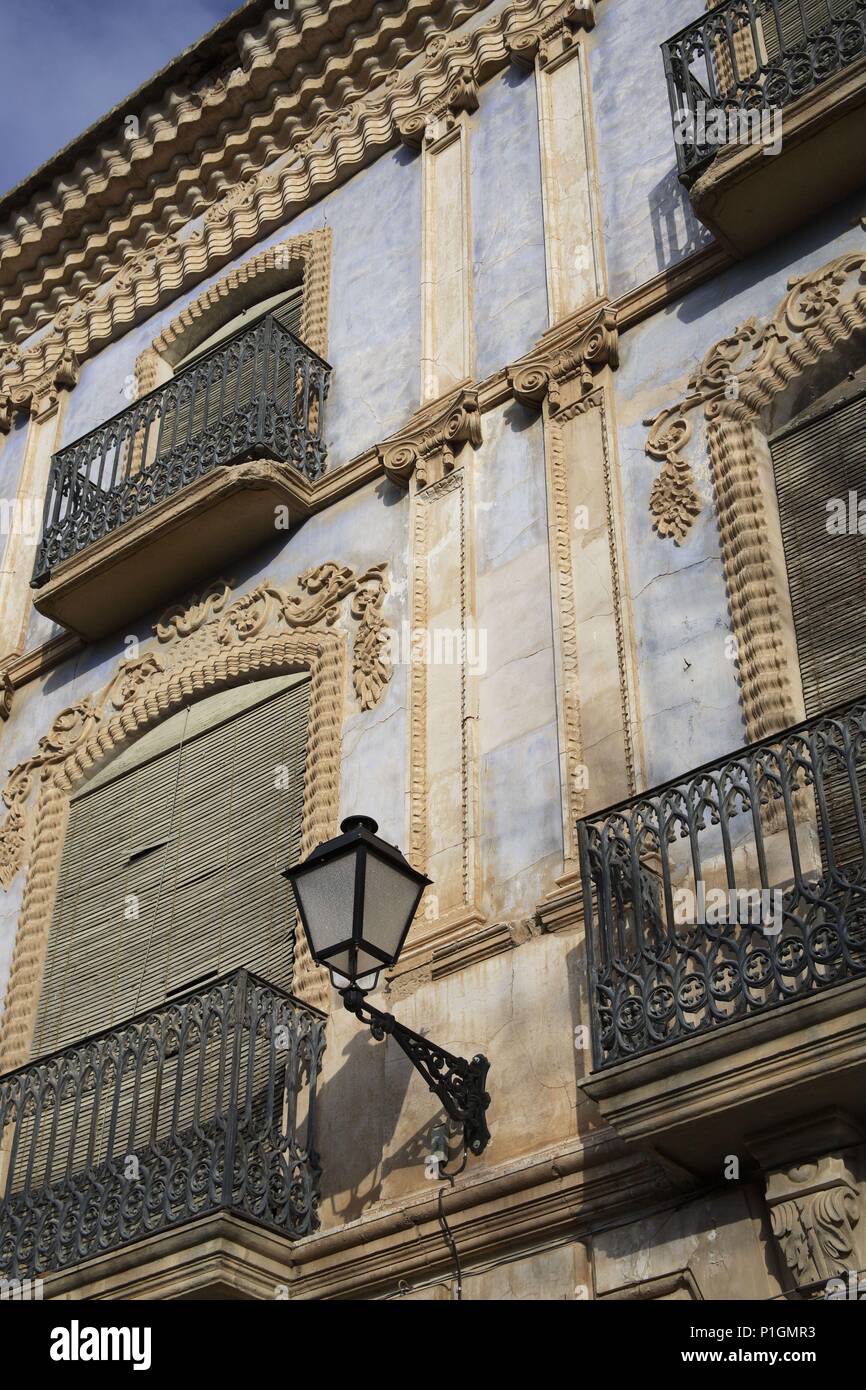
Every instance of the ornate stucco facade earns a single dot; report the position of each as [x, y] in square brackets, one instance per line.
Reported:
[532, 443]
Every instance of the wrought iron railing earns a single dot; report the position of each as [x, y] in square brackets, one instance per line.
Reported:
[737, 888]
[745, 57]
[261, 393]
[205, 1104]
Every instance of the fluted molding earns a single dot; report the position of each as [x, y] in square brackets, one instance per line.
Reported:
[205, 136]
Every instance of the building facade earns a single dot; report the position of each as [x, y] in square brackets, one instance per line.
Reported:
[452, 413]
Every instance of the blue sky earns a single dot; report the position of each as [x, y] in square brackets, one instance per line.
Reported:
[67, 62]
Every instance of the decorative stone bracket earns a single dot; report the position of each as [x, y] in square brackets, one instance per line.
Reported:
[813, 1211]
[565, 370]
[207, 625]
[428, 445]
[426, 126]
[41, 394]
[553, 35]
[814, 1203]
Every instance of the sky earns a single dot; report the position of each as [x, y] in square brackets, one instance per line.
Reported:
[68, 62]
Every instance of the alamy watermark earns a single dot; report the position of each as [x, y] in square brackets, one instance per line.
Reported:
[715, 907]
[438, 646]
[708, 126]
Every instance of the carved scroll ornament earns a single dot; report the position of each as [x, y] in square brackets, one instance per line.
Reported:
[186, 633]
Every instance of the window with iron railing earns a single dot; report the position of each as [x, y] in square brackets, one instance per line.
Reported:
[753, 56]
[258, 394]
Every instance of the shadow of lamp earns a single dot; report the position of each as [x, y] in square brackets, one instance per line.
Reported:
[357, 896]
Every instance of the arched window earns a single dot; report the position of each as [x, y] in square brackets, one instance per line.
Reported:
[171, 868]
[285, 306]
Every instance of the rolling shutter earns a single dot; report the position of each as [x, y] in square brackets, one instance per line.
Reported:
[170, 871]
[788, 24]
[823, 457]
[218, 389]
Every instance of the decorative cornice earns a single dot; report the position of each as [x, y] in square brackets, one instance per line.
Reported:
[293, 73]
[741, 373]
[427, 446]
[345, 139]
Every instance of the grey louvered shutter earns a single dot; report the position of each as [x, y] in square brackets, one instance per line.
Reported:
[788, 24]
[218, 387]
[170, 871]
[819, 459]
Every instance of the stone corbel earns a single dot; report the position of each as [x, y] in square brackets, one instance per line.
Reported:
[815, 1204]
[553, 36]
[7, 690]
[565, 371]
[429, 125]
[429, 445]
[40, 395]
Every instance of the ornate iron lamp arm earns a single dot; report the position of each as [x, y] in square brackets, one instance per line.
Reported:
[458, 1084]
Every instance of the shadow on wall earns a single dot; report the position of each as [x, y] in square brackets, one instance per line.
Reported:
[358, 1110]
[676, 231]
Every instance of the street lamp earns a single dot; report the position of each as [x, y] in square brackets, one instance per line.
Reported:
[356, 896]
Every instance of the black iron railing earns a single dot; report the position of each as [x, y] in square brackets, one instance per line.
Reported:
[259, 394]
[739, 887]
[748, 57]
[205, 1104]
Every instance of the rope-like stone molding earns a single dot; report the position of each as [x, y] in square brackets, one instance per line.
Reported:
[90, 735]
[349, 139]
[305, 258]
[737, 383]
[201, 646]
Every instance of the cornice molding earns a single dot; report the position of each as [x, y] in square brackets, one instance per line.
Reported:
[292, 71]
[255, 200]
[400, 107]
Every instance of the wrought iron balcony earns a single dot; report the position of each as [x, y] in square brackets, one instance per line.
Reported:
[260, 394]
[196, 1107]
[751, 56]
[736, 889]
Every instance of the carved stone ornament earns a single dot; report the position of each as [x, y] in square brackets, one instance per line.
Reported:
[814, 1209]
[87, 303]
[566, 370]
[7, 690]
[552, 35]
[741, 373]
[428, 445]
[207, 626]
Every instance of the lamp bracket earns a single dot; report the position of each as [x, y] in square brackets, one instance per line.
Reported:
[458, 1084]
